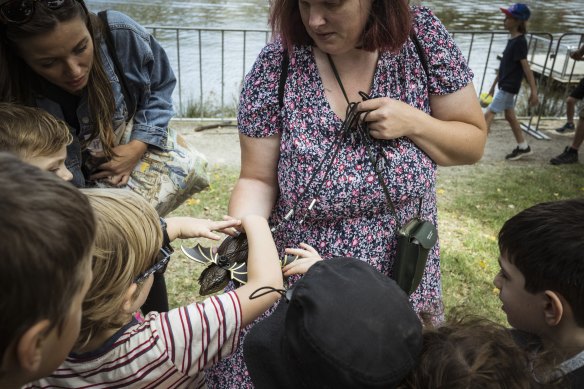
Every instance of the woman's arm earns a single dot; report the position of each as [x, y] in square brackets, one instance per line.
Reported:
[151, 80]
[455, 134]
[256, 189]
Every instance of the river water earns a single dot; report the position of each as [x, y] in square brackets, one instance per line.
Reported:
[551, 16]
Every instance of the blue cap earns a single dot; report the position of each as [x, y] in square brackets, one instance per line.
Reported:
[517, 11]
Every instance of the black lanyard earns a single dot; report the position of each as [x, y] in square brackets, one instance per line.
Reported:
[354, 122]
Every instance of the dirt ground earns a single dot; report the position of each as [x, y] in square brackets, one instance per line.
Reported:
[221, 144]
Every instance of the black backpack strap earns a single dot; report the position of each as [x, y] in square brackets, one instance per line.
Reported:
[420, 52]
[283, 77]
[111, 49]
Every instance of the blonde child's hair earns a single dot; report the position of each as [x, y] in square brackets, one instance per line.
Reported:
[31, 132]
[127, 243]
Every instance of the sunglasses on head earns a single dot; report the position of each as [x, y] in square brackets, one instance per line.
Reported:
[159, 267]
[21, 11]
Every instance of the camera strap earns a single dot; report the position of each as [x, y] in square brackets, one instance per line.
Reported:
[416, 237]
[378, 161]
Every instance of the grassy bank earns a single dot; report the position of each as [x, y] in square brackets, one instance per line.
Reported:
[473, 203]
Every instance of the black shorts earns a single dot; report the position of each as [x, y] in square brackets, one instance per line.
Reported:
[578, 92]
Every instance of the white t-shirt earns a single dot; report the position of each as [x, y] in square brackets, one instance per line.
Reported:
[167, 350]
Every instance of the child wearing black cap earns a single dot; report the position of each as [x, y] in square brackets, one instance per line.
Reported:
[345, 326]
[513, 68]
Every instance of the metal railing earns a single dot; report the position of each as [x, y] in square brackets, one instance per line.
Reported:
[210, 65]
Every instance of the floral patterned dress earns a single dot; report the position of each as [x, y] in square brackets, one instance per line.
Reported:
[351, 216]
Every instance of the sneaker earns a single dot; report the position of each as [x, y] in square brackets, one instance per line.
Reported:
[566, 128]
[568, 156]
[518, 153]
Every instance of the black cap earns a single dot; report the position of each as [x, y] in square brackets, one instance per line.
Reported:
[346, 326]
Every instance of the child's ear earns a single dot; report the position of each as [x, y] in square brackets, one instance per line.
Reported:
[29, 348]
[554, 308]
[129, 298]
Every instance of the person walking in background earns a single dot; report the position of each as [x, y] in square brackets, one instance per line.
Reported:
[513, 67]
[570, 154]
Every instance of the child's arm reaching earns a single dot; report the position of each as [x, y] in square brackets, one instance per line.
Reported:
[189, 227]
[263, 269]
[307, 256]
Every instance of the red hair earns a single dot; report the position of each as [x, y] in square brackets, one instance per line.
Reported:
[387, 28]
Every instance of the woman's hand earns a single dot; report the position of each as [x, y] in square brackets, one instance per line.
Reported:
[118, 170]
[455, 133]
[388, 118]
[307, 256]
[188, 227]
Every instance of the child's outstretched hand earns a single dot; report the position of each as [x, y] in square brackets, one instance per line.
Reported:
[307, 256]
[188, 227]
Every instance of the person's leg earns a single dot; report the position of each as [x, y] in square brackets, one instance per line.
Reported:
[570, 154]
[522, 148]
[576, 95]
[515, 125]
[570, 105]
[496, 106]
[489, 116]
[579, 135]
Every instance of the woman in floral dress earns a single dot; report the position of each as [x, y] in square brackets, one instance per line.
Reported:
[418, 120]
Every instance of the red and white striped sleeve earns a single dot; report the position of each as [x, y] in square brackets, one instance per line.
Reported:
[199, 335]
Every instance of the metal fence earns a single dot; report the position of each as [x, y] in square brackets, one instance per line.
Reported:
[210, 65]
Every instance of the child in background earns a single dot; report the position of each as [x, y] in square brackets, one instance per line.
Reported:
[36, 137]
[541, 281]
[168, 349]
[472, 352]
[513, 67]
[342, 325]
[47, 229]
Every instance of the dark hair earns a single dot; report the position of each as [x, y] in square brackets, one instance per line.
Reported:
[387, 28]
[472, 352]
[522, 27]
[546, 243]
[20, 84]
[47, 229]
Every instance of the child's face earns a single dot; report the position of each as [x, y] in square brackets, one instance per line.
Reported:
[59, 342]
[510, 23]
[54, 163]
[524, 310]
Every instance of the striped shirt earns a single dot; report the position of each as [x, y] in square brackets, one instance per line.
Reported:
[167, 350]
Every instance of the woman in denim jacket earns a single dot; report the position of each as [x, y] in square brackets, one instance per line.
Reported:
[52, 55]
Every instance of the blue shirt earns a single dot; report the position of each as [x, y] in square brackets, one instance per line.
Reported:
[150, 79]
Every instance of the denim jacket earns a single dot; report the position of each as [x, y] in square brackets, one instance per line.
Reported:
[150, 78]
